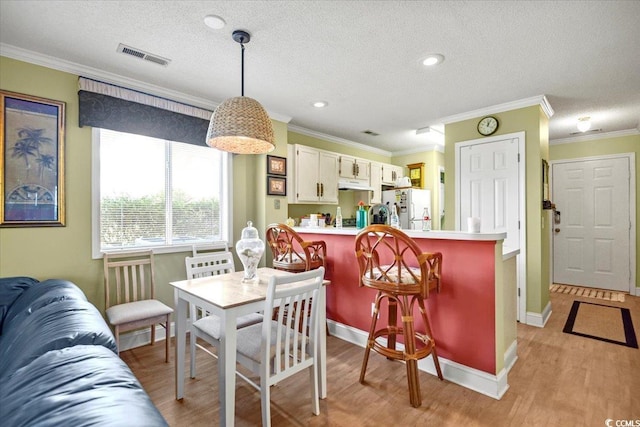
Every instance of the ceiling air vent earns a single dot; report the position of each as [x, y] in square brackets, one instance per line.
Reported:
[128, 50]
[370, 132]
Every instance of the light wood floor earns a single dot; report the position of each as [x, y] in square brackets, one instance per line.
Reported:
[558, 380]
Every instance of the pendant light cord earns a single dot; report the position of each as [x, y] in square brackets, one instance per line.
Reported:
[242, 61]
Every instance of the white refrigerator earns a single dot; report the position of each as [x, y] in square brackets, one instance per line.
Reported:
[410, 203]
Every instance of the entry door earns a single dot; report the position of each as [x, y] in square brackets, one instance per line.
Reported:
[489, 187]
[592, 230]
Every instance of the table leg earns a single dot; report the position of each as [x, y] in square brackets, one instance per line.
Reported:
[182, 307]
[227, 368]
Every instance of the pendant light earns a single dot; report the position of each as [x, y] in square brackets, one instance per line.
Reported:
[241, 125]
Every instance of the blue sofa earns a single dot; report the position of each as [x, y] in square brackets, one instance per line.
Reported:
[59, 363]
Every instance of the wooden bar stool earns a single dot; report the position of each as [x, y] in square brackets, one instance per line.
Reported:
[393, 264]
[291, 252]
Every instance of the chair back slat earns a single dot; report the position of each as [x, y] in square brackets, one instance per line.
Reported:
[128, 277]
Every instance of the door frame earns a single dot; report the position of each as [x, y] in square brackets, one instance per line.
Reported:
[441, 195]
[631, 157]
[522, 256]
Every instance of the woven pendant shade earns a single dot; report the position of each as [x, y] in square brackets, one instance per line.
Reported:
[241, 125]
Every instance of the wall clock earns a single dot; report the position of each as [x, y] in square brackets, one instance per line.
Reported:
[487, 125]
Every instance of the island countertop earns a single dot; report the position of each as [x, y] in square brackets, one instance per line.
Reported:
[507, 252]
[419, 234]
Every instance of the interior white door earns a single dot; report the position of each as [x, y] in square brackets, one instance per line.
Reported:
[592, 233]
[489, 187]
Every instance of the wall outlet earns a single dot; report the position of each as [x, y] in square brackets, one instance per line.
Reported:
[276, 204]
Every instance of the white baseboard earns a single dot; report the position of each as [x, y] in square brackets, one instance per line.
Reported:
[635, 291]
[493, 386]
[511, 356]
[539, 319]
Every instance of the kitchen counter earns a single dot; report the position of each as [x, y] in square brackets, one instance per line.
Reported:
[473, 317]
[434, 234]
[419, 234]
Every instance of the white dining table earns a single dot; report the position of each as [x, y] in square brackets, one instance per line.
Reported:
[228, 297]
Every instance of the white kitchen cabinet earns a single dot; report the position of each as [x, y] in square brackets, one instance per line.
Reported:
[375, 181]
[354, 168]
[315, 175]
[390, 173]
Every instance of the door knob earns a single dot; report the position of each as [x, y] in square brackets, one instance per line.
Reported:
[557, 230]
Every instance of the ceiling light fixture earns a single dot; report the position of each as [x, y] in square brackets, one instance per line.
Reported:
[320, 104]
[433, 59]
[584, 124]
[241, 125]
[214, 21]
[428, 129]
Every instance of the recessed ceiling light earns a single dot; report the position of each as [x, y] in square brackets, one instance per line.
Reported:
[433, 59]
[584, 124]
[214, 21]
[320, 104]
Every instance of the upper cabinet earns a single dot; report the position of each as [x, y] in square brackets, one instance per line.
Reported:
[376, 182]
[354, 168]
[391, 173]
[315, 175]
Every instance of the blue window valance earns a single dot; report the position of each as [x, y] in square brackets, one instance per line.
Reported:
[130, 111]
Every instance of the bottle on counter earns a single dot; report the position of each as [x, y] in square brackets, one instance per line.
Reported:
[395, 219]
[426, 220]
[338, 217]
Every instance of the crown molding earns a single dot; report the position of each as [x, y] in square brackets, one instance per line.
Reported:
[420, 149]
[540, 100]
[341, 141]
[595, 136]
[81, 70]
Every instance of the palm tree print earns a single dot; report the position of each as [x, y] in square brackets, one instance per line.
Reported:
[45, 162]
[29, 143]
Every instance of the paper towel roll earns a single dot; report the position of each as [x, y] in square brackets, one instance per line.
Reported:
[473, 224]
[313, 220]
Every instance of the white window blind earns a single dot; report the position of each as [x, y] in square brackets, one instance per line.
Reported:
[159, 193]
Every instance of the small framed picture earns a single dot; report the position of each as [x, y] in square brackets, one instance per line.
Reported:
[276, 165]
[276, 186]
[31, 161]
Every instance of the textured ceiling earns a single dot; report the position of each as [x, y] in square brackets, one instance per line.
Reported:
[361, 57]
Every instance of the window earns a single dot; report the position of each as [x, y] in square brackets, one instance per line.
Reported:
[154, 193]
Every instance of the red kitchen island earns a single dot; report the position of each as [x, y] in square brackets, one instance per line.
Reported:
[473, 318]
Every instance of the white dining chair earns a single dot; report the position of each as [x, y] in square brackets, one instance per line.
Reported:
[206, 326]
[275, 349]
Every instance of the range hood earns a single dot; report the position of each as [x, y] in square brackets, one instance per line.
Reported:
[352, 184]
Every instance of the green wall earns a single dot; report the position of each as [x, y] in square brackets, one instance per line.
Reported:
[604, 147]
[534, 123]
[65, 252]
